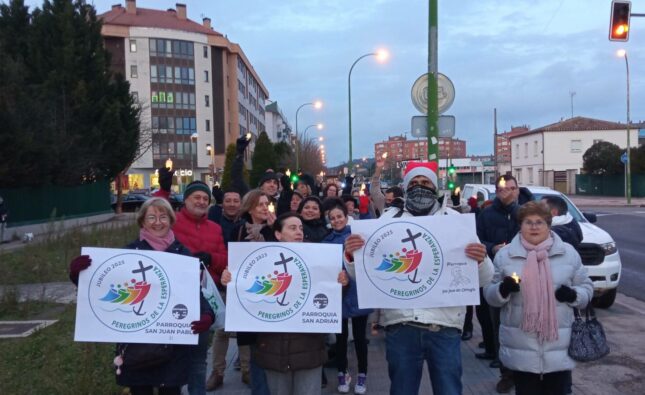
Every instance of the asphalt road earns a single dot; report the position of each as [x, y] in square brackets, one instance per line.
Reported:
[627, 226]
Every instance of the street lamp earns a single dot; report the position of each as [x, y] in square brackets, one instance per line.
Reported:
[628, 178]
[317, 105]
[193, 140]
[381, 56]
[318, 126]
[211, 152]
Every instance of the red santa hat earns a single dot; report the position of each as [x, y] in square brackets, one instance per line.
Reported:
[427, 169]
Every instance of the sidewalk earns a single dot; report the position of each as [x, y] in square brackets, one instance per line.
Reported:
[598, 201]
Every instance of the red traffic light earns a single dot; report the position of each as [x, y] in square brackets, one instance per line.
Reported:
[619, 22]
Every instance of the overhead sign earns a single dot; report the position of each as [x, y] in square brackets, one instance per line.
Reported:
[446, 126]
[445, 93]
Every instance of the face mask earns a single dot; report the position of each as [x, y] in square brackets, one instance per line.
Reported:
[420, 200]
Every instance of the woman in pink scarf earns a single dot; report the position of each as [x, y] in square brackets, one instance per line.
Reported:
[538, 280]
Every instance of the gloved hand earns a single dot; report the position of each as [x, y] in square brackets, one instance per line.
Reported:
[165, 178]
[78, 264]
[507, 286]
[241, 144]
[254, 233]
[205, 322]
[456, 199]
[565, 294]
[204, 257]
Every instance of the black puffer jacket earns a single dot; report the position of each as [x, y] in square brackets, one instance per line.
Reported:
[175, 372]
[497, 224]
[314, 230]
[569, 233]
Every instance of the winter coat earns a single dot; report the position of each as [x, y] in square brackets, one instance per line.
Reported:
[520, 350]
[175, 372]
[288, 352]
[216, 215]
[452, 317]
[202, 235]
[497, 224]
[350, 294]
[315, 230]
[568, 229]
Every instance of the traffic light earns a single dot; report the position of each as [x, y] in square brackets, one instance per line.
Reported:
[451, 169]
[619, 22]
[295, 178]
[451, 185]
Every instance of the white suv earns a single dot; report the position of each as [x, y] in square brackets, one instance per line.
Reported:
[598, 249]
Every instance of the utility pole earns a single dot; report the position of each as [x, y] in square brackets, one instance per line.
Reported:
[572, 94]
[433, 69]
[495, 143]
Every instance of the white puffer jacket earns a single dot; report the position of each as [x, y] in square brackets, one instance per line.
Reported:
[452, 317]
[520, 350]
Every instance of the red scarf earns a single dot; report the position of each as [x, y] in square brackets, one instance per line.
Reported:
[156, 242]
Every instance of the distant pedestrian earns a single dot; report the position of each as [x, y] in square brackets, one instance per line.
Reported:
[4, 214]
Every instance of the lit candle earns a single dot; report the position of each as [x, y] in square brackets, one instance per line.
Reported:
[515, 277]
[287, 173]
[384, 156]
[248, 136]
[457, 190]
[502, 183]
[271, 208]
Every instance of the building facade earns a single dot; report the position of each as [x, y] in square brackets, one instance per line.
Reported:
[197, 90]
[277, 126]
[452, 148]
[552, 155]
[399, 148]
[503, 147]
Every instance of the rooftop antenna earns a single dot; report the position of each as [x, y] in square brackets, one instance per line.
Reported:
[572, 94]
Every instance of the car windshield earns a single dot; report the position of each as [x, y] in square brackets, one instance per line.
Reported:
[573, 210]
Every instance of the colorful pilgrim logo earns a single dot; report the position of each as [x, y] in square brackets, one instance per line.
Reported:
[276, 283]
[129, 292]
[403, 260]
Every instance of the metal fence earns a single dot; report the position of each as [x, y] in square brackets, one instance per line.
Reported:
[597, 185]
[28, 206]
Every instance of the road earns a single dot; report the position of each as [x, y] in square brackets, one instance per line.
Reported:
[627, 226]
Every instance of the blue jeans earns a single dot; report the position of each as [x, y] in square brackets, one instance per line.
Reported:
[407, 347]
[259, 384]
[197, 375]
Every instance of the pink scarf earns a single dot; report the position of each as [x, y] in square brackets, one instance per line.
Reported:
[537, 292]
[157, 243]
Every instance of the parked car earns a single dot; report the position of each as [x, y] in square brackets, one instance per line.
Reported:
[131, 202]
[176, 200]
[597, 250]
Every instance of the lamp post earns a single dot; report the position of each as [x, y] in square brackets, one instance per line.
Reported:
[317, 105]
[318, 126]
[381, 55]
[211, 152]
[193, 140]
[628, 178]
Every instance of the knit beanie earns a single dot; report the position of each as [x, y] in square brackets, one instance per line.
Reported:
[197, 186]
[427, 169]
[268, 176]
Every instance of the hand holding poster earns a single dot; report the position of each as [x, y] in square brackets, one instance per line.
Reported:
[416, 262]
[284, 287]
[137, 296]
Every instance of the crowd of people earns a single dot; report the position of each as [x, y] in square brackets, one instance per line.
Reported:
[529, 273]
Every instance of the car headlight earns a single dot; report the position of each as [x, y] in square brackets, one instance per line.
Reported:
[609, 248]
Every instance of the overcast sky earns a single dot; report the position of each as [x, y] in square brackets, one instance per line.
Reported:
[522, 57]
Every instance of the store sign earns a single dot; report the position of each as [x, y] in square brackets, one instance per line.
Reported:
[179, 173]
[163, 97]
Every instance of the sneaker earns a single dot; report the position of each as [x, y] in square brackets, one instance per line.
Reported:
[361, 385]
[343, 382]
[214, 381]
[504, 385]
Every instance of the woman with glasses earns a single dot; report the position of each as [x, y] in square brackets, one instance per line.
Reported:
[155, 218]
[538, 280]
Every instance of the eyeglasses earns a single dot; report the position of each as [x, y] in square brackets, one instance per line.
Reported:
[151, 219]
[536, 224]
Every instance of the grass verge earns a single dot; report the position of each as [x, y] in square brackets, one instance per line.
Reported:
[48, 261]
[50, 362]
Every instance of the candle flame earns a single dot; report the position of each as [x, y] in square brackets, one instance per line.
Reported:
[271, 208]
[287, 173]
[515, 277]
[502, 183]
[384, 156]
[248, 136]
[457, 190]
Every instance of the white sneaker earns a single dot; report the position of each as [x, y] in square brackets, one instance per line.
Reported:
[343, 382]
[361, 385]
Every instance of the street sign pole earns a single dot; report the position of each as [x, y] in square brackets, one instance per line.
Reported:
[433, 69]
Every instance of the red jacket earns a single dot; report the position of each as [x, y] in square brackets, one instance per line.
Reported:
[202, 235]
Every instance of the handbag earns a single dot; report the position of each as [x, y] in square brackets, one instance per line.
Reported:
[588, 341]
[136, 356]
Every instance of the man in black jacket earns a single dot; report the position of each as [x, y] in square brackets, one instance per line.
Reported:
[496, 227]
[563, 224]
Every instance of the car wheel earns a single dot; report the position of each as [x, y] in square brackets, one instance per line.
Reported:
[605, 300]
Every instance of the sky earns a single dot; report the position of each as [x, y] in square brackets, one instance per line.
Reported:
[522, 57]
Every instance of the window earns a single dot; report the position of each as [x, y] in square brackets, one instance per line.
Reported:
[576, 146]
[208, 125]
[207, 101]
[526, 150]
[518, 175]
[205, 51]
[153, 73]
[135, 96]
[133, 45]
[205, 75]
[517, 151]
[530, 171]
[133, 71]
[535, 148]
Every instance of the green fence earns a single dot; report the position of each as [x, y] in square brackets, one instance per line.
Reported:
[596, 185]
[37, 205]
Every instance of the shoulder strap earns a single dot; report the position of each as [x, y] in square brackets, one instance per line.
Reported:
[399, 214]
